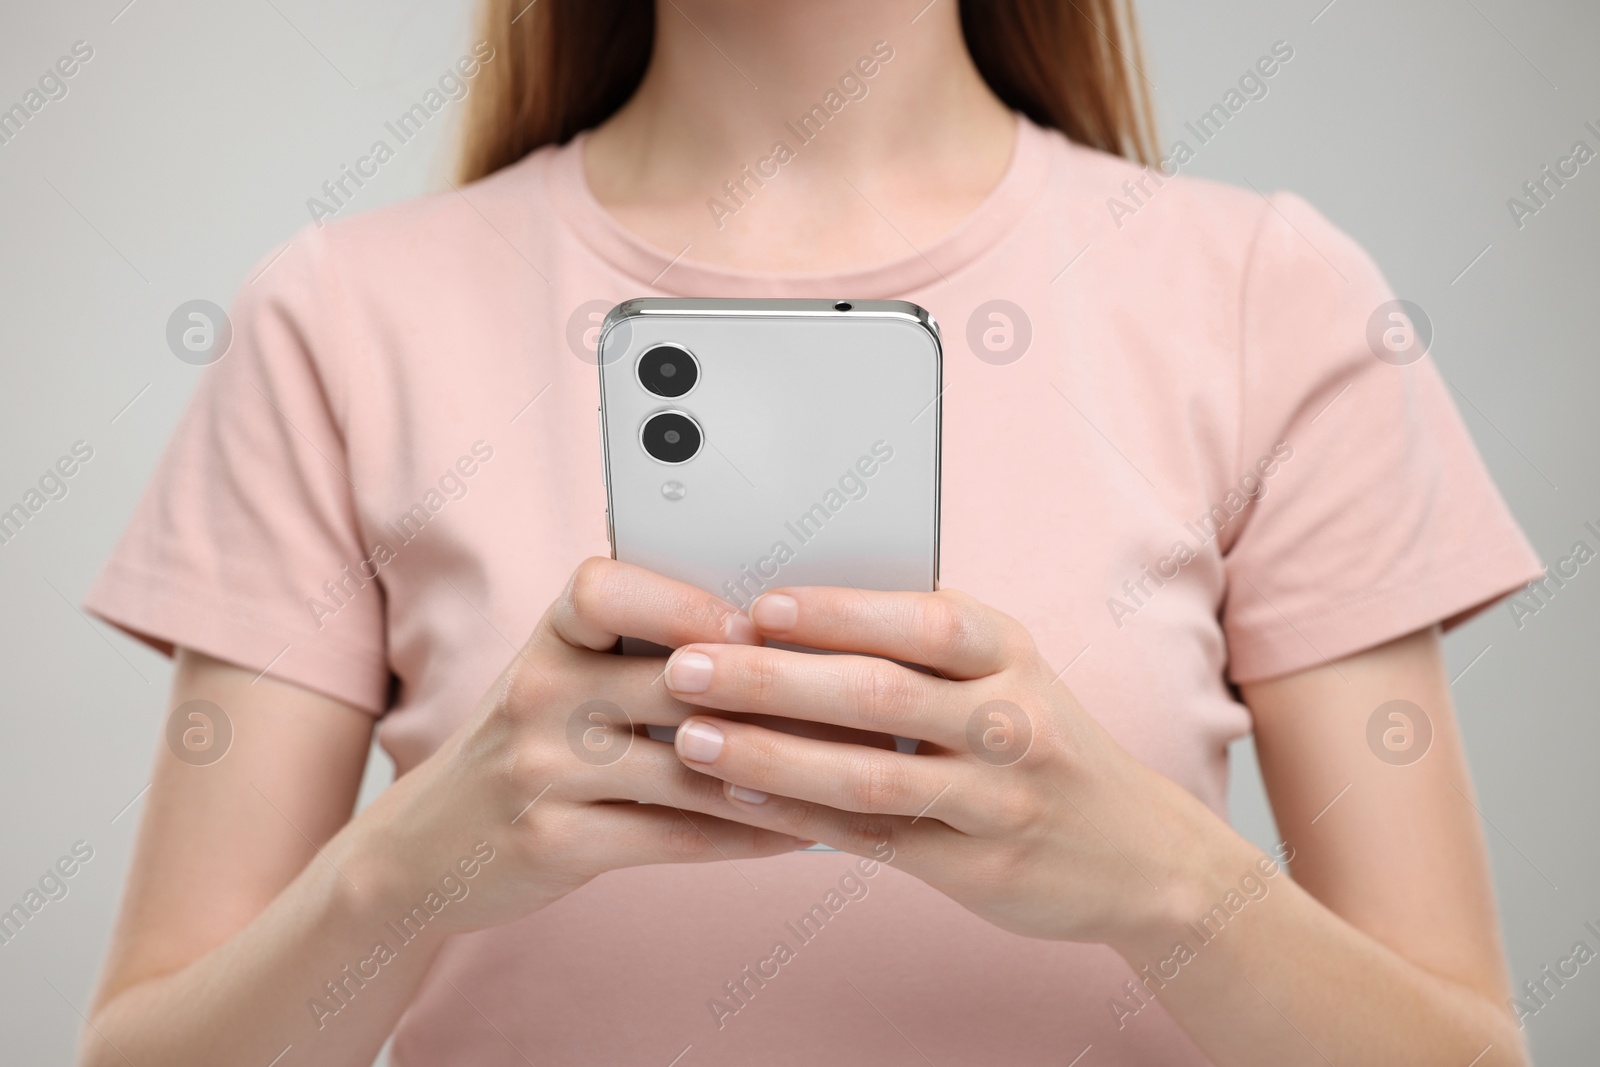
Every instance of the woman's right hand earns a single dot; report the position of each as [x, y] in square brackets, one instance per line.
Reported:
[543, 769]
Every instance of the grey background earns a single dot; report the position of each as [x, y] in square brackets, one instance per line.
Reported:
[189, 144]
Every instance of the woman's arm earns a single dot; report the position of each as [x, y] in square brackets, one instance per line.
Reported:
[256, 903]
[1384, 949]
[1021, 807]
[231, 921]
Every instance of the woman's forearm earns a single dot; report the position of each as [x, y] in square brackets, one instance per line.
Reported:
[210, 965]
[327, 968]
[1262, 973]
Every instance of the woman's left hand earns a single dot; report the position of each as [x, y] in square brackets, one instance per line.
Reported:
[1016, 804]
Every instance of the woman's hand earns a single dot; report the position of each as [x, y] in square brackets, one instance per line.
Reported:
[303, 905]
[538, 772]
[1016, 804]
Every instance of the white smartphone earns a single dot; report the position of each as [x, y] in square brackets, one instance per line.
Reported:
[751, 444]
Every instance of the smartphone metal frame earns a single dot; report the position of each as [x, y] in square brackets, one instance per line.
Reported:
[902, 310]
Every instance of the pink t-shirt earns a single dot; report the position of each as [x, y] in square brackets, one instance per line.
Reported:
[1181, 465]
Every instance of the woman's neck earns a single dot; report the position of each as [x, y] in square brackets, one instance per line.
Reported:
[801, 137]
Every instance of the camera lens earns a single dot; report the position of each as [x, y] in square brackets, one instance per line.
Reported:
[671, 437]
[667, 370]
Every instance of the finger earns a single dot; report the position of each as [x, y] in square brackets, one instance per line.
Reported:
[861, 692]
[648, 772]
[606, 599]
[849, 778]
[822, 731]
[917, 846]
[624, 691]
[950, 632]
[652, 773]
[631, 835]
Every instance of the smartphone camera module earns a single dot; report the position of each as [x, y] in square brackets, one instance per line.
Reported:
[667, 370]
[671, 437]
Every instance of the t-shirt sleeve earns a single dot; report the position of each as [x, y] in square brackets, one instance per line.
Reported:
[252, 508]
[1377, 517]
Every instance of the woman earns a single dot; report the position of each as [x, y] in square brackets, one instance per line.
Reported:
[1184, 500]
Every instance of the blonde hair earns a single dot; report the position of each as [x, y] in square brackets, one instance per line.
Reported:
[562, 66]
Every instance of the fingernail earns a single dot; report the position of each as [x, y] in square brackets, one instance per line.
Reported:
[775, 611]
[699, 742]
[689, 672]
[740, 630]
[749, 796]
